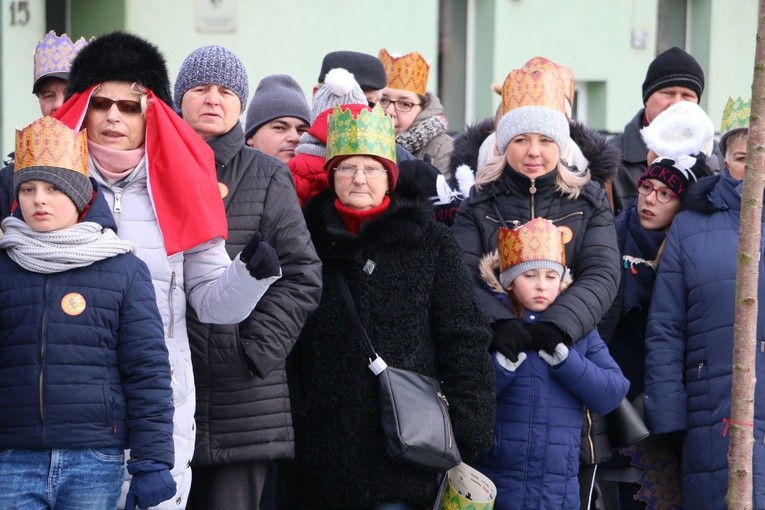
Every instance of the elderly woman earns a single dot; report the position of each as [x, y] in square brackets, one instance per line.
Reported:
[238, 435]
[413, 297]
[164, 197]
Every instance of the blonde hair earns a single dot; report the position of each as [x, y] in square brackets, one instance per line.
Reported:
[567, 182]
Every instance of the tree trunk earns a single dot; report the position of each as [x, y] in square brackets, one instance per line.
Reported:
[740, 488]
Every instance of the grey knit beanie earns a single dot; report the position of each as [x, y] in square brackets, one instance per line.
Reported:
[512, 272]
[533, 119]
[339, 88]
[212, 65]
[277, 96]
[76, 185]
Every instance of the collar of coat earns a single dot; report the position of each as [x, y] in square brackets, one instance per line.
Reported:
[228, 145]
[404, 223]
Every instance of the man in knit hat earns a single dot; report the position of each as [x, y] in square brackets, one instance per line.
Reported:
[278, 114]
[673, 76]
[243, 410]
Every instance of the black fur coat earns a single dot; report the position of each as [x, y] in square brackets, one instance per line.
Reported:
[418, 309]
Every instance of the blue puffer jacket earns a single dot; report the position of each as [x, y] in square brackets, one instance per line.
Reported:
[535, 457]
[689, 342]
[100, 378]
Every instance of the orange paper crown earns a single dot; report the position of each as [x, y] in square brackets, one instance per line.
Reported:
[537, 240]
[407, 72]
[537, 83]
[48, 142]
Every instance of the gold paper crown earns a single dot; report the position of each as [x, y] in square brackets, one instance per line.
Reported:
[369, 133]
[539, 239]
[538, 83]
[55, 54]
[735, 114]
[48, 142]
[407, 72]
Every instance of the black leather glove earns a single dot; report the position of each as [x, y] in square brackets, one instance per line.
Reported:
[152, 484]
[260, 258]
[545, 336]
[510, 337]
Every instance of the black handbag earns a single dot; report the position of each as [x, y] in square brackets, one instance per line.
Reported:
[625, 424]
[413, 410]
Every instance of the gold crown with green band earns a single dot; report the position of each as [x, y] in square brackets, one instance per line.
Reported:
[370, 133]
[735, 114]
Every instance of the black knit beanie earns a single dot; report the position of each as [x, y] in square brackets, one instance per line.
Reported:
[673, 68]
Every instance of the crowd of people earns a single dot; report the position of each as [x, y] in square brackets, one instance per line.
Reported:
[177, 262]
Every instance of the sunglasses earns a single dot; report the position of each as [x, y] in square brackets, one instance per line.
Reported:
[124, 105]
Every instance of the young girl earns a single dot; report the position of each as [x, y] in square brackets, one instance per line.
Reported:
[540, 395]
[84, 371]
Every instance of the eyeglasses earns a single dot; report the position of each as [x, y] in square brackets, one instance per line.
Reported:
[400, 106]
[124, 105]
[371, 172]
[663, 195]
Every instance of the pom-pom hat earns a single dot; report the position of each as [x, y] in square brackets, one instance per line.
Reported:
[538, 244]
[683, 129]
[339, 87]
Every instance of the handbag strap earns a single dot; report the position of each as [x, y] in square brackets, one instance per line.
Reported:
[351, 305]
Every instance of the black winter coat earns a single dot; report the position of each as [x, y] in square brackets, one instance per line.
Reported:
[243, 409]
[418, 309]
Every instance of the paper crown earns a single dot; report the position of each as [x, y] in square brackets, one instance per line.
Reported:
[48, 142]
[369, 133]
[407, 72]
[537, 83]
[537, 240]
[54, 55]
[566, 75]
[735, 114]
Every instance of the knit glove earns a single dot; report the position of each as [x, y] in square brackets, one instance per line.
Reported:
[510, 337]
[152, 484]
[509, 365]
[558, 356]
[260, 258]
[546, 336]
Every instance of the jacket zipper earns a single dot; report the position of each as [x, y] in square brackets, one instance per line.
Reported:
[171, 319]
[701, 366]
[42, 352]
[516, 223]
[445, 413]
[567, 216]
[591, 444]
[532, 192]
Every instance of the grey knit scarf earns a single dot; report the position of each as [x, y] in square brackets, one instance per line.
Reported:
[417, 136]
[309, 144]
[54, 252]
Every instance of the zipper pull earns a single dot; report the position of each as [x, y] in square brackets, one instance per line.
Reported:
[118, 202]
[443, 398]
[701, 365]
[533, 187]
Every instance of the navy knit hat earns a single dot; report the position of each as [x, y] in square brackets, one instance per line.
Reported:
[212, 65]
[673, 68]
[277, 96]
[367, 69]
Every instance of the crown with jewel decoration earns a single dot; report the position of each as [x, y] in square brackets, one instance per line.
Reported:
[54, 56]
[48, 142]
[538, 83]
[735, 114]
[407, 72]
[368, 133]
[536, 244]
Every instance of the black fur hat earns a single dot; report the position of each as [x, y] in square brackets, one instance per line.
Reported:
[120, 56]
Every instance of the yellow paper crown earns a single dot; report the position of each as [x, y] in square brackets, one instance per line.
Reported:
[538, 83]
[48, 142]
[407, 72]
[537, 240]
[55, 54]
[736, 114]
[370, 133]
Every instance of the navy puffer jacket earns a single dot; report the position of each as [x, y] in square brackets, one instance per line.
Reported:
[100, 378]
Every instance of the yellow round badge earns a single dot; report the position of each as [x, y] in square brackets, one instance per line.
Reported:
[223, 190]
[567, 234]
[73, 304]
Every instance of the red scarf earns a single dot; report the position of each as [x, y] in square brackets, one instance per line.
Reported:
[354, 218]
[181, 174]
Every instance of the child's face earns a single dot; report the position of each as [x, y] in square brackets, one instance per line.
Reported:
[735, 156]
[655, 214]
[46, 208]
[536, 289]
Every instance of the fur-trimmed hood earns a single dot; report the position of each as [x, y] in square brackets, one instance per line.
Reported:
[700, 196]
[120, 56]
[408, 216]
[467, 145]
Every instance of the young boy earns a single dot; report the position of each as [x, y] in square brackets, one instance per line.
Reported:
[84, 371]
[540, 396]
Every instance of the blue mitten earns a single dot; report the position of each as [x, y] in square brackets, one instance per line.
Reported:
[152, 484]
[260, 257]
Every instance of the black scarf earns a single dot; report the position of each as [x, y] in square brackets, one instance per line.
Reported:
[638, 247]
